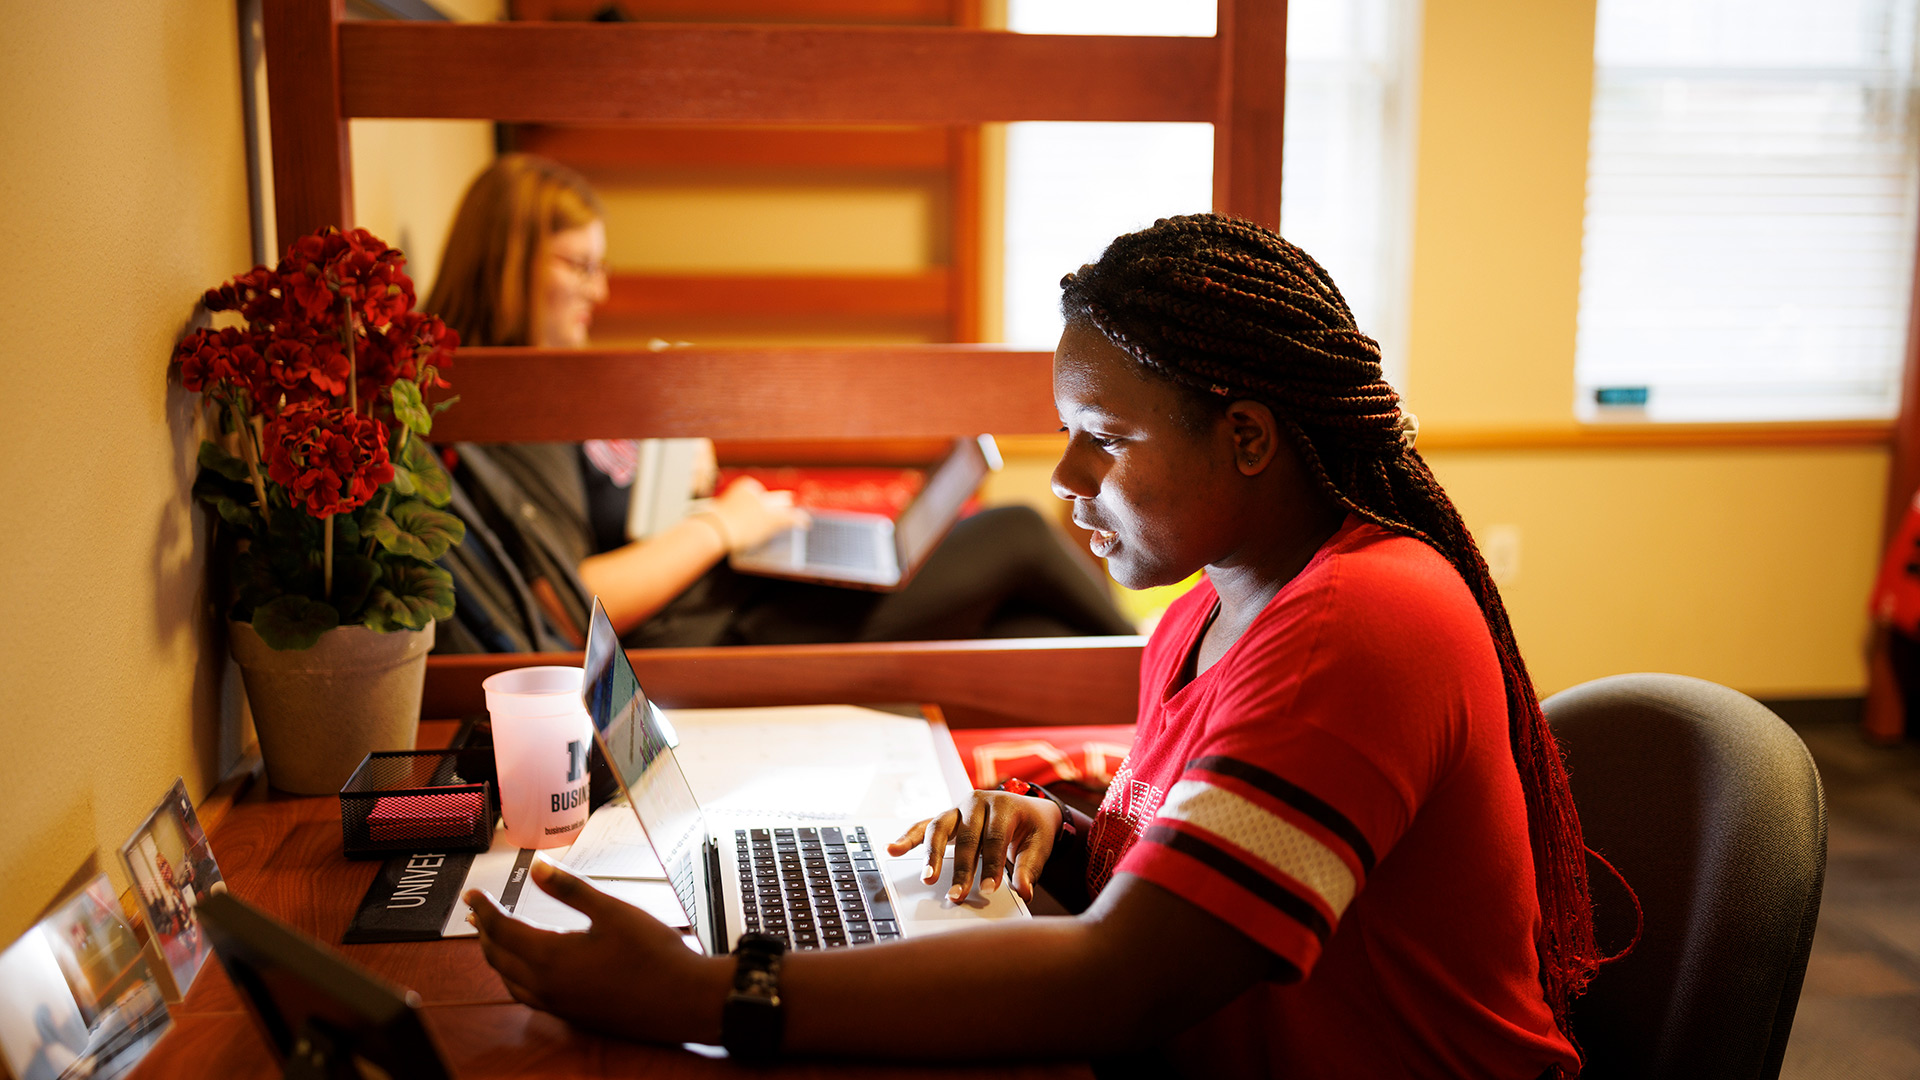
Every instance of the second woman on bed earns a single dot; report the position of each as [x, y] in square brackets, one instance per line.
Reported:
[525, 265]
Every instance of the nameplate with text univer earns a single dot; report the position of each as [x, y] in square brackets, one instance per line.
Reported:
[410, 899]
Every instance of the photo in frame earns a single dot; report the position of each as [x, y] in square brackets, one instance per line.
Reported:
[172, 867]
[77, 998]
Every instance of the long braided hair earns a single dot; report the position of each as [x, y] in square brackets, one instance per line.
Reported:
[1227, 310]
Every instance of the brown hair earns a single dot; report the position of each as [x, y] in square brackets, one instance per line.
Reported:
[1227, 310]
[486, 275]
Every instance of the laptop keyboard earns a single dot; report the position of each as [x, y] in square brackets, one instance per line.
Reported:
[841, 543]
[817, 888]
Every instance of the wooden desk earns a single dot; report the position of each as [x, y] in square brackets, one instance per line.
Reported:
[282, 853]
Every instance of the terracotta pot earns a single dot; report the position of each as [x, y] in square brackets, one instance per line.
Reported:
[319, 711]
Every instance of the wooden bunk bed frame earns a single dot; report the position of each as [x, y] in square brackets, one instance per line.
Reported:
[323, 70]
[942, 301]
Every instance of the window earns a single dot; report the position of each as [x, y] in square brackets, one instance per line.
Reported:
[1350, 79]
[1751, 195]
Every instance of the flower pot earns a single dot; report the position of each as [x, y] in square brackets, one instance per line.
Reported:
[319, 711]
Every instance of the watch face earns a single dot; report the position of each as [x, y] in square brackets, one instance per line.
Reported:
[758, 987]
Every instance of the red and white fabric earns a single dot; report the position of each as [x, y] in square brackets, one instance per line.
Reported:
[1087, 755]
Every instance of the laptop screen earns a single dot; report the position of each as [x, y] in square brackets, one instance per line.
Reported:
[926, 519]
[633, 737]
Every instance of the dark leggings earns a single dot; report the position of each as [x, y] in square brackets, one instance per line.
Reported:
[1000, 573]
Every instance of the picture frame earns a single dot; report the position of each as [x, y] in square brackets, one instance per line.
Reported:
[171, 865]
[77, 996]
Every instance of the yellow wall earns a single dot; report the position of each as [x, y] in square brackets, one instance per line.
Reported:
[795, 228]
[408, 176]
[122, 196]
[1499, 184]
[1747, 567]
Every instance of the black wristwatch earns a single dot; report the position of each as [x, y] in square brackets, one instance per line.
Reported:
[755, 1017]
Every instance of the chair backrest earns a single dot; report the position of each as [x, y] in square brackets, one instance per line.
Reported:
[1712, 809]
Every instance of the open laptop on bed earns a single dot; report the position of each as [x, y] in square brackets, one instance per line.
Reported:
[874, 551]
[818, 884]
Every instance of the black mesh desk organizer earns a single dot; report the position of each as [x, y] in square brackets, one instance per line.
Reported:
[419, 800]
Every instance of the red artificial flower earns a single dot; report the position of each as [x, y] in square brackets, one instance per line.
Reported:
[330, 461]
[433, 341]
[291, 361]
[206, 358]
[288, 360]
[383, 359]
[313, 295]
[328, 370]
[308, 251]
[247, 293]
[321, 269]
[386, 292]
[409, 345]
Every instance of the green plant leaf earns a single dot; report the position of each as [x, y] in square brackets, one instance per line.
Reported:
[353, 578]
[232, 502]
[291, 547]
[403, 480]
[213, 457]
[293, 622]
[254, 584]
[430, 480]
[294, 529]
[416, 530]
[409, 409]
[412, 596]
[442, 406]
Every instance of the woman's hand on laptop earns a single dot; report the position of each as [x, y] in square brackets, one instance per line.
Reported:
[992, 829]
[749, 515]
[591, 977]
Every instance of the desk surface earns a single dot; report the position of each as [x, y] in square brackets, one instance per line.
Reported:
[282, 853]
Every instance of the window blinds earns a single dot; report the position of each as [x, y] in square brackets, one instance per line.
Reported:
[1750, 213]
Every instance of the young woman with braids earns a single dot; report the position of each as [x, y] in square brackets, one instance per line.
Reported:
[1342, 845]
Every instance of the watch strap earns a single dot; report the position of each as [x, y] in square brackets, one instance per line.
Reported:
[1018, 786]
[754, 1017]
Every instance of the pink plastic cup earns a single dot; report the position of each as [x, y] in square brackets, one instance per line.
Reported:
[541, 738]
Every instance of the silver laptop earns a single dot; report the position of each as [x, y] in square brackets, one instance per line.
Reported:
[819, 885]
[872, 550]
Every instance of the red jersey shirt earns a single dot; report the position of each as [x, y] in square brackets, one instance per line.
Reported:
[1339, 787]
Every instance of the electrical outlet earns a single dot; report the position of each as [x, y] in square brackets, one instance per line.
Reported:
[1500, 546]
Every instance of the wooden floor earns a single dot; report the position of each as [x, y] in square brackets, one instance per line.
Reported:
[1859, 1015]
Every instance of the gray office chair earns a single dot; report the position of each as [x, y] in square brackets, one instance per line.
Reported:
[1712, 809]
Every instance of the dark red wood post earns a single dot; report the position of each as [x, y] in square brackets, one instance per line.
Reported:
[1251, 111]
[1886, 714]
[312, 162]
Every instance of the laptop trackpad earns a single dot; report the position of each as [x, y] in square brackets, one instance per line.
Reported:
[925, 909]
